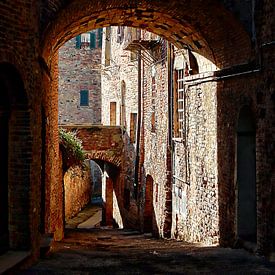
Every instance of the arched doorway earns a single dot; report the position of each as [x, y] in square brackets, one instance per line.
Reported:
[246, 177]
[15, 157]
[148, 207]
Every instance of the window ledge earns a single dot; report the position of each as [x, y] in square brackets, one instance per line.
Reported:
[12, 258]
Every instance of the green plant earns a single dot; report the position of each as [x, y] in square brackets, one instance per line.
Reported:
[71, 147]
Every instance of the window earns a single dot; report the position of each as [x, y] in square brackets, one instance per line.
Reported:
[85, 40]
[84, 98]
[179, 102]
[194, 67]
[120, 34]
[133, 126]
[112, 113]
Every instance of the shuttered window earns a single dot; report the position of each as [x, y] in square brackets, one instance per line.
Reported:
[86, 40]
[84, 98]
[92, 40]
[78, 42]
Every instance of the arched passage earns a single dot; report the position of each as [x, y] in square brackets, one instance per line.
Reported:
[199, 24]
[15, 156]
[202, 31]
[246, 177]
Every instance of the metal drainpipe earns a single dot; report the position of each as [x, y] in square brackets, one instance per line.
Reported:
[138, 126]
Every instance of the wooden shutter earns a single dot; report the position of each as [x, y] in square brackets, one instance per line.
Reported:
[133, 126]
[84, 98]
[112, 113]
[78, 42]
[92, 40]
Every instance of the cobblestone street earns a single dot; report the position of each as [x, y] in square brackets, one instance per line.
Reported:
[108, 251]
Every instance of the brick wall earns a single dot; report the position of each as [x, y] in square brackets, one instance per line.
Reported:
[203, 30]
[77, 188]
[79, 69]
[30, 46]
[19, 48]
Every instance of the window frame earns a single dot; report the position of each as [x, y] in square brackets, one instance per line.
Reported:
[82, 102]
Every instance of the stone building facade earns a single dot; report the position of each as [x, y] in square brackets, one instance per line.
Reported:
[120, 106]
[239, 43]
[79, 95]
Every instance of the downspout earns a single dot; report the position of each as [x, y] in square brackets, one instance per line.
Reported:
[138, 127]
[169, 163]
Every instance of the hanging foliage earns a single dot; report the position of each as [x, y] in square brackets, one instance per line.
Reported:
[71, 147]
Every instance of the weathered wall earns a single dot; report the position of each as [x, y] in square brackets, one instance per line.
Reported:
[79, 69]
[53, 175]
[22, 44]
[195, 189]
[156, 141]
[19, 47]
[77, 188]
[101, 142]
[122, 70]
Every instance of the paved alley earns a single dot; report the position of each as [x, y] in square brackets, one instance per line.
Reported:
[109, 251]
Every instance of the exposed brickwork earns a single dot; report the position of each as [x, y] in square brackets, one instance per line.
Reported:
[19, 47]
[176, 21]
[77, 188]
[79, 69]
[101, 143]
[205, 25]
[53, 176]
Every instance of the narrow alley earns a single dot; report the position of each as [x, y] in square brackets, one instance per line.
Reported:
[110, 251]
[137, 137]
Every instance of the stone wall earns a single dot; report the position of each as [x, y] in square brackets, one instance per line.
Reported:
[120, 85]
[195, 188]
[156, 140]
[77, 188]
[79, 69]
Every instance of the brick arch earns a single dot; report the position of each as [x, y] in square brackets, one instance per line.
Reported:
[206, 26]
[106, 157]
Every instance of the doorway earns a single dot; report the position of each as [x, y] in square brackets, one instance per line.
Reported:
[246, 177]
[148, 207]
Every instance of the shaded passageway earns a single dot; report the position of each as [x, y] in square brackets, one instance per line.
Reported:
[129, 252]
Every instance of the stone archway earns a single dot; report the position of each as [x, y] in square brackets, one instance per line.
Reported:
[15, 151]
